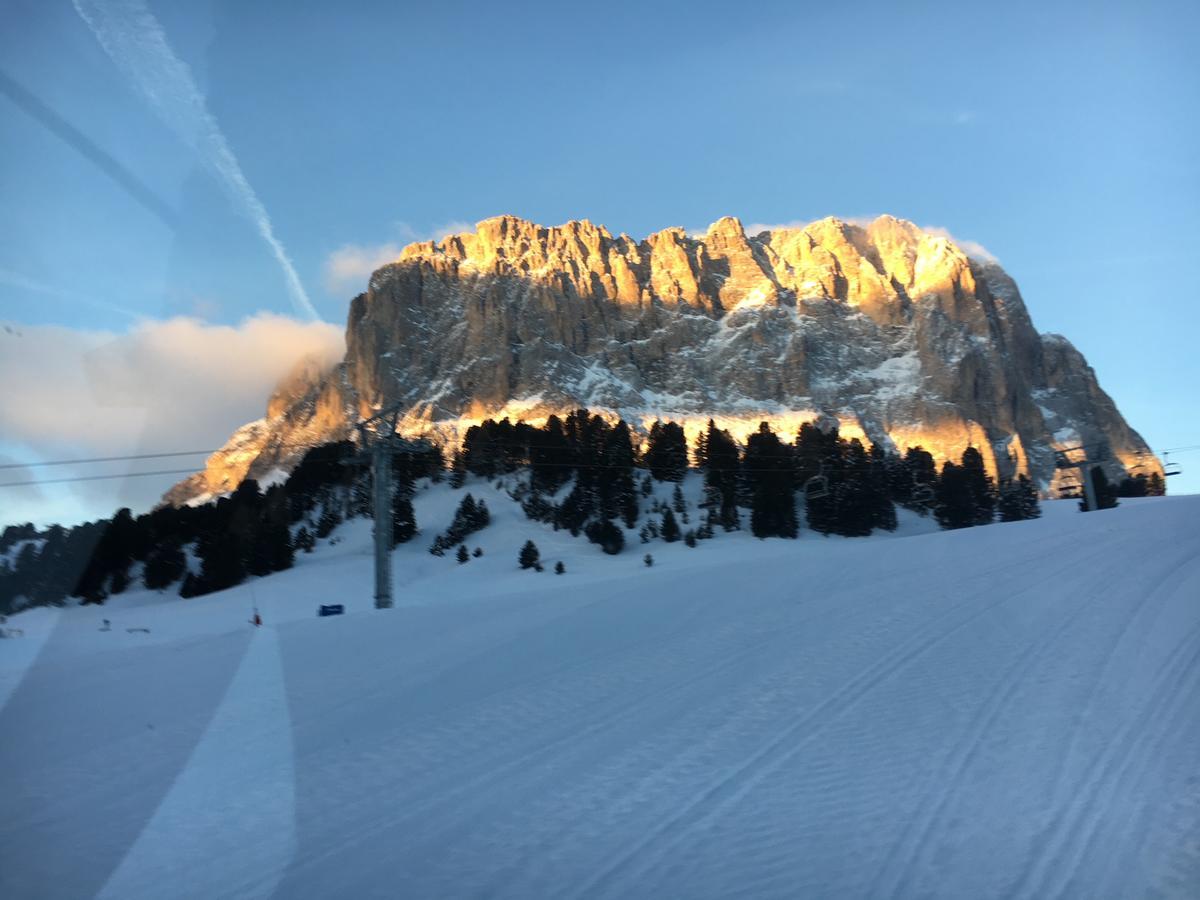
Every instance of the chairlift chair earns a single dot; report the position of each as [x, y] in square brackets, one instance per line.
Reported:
[816, 488]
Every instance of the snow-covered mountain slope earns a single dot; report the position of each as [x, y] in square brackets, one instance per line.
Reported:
[894, 332]
[1005, 711]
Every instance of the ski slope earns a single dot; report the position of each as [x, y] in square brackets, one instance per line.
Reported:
[1009, 711]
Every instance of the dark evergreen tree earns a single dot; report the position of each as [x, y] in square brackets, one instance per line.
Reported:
[191, 586]
[883, 510]
[361, 496]
[1018, 500]
[648, 560]
[677, 502]
[305, 540]
[470, 517]
[818, 463]
[855, 506]
[983, 489]
[404, 520]
[529, 556]
[721, 475]
[559, 568]
[769, 469]
[618, 494]
[670, 528]
[575, 509]
[666, 452]
[610, 538]
[463, 554]
[1156, 486]
[458, 470]
[537, 508]
[165, 565]
[550, 458]
[221, 562]
[956, 506]
[329, 520]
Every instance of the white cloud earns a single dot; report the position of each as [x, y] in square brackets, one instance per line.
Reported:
[136, 42]
[163, 385]
[452, 227]
[350, 265]
[973, 249]
[348, 268]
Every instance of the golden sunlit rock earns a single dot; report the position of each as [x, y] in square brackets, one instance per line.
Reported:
[895, 333]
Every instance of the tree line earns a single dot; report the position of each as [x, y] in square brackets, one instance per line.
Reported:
[582, 473]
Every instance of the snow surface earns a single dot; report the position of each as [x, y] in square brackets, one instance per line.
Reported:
[1007, 711]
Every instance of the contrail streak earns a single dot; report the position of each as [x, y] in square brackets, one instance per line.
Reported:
[87, 148]
[136, 42]
[25, 283]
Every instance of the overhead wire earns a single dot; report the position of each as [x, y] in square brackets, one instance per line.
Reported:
[1088, 448]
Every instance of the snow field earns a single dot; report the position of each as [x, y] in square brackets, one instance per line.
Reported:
[1008, 711]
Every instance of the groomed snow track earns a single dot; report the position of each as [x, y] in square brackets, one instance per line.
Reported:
[1010, 711]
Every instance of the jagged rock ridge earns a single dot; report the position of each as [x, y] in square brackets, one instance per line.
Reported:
[893, 331]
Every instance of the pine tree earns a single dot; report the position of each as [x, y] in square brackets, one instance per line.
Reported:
[549, 457]
[956, 506]
[818, 463]
[305, 540]
[1018, 500]
[618, 493]
[575, 509]
[677, 501]
[721, 477]
[221, 562]
[610, 538]
[666, 452]
[559, 568]
[458, 470]
[917, 477]
[983, 489]
[769, 470]
[328, 522]
[670, 528]
[855, 506]
[648, 560]
[165, 565]
[463, 555]
[1156, 486]
[529, 556]
[404, 520]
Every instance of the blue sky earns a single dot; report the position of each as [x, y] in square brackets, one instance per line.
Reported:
[1064, 138]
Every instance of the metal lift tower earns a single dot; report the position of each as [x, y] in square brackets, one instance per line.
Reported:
[378, 441]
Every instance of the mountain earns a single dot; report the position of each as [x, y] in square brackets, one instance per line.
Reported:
[893, 331]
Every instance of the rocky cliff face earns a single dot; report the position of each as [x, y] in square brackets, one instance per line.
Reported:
[893, 331]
